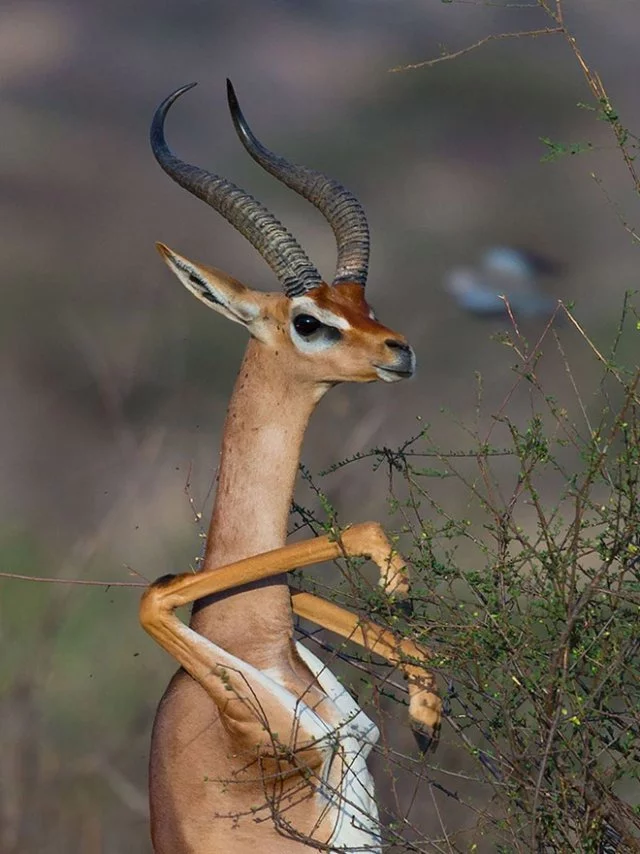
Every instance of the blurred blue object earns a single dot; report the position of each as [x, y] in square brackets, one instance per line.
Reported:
[503, 272]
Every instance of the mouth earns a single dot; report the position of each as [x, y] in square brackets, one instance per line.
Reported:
[392, 375]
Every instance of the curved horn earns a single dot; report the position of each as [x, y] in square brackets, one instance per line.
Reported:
[278, 247]
[340, 208]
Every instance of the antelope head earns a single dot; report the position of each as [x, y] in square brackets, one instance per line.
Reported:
[322, 333]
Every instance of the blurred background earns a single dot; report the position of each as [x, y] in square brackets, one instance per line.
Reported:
[114, 381]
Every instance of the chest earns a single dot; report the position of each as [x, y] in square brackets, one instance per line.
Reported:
[347, 736]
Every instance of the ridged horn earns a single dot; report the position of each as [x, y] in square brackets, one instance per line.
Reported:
[340, 208]
[278, 247]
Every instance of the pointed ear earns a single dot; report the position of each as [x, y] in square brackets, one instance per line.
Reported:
[214, 288]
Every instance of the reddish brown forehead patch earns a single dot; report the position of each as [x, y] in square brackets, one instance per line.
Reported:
[347, 300]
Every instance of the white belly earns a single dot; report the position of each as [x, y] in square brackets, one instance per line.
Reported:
[357, 826]
[345, 793]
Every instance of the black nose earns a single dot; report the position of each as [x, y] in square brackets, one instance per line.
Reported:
[394, 344]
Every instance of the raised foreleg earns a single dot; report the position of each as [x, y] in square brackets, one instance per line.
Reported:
[238, 688]
[425, 706]
[252, 706]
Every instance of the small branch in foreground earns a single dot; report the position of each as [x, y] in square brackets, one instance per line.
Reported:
[428, 63]
[78, 581]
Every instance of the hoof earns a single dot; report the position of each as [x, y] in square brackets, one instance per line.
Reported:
[426, 737]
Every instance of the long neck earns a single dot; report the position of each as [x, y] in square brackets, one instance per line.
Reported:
[263, 433]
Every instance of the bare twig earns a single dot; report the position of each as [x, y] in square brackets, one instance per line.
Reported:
[521, 34]
[77, 581]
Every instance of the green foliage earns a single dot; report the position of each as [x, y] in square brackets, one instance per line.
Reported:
[529, 601]
[69, 656]
[559, 149]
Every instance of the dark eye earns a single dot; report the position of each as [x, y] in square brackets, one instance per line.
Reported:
[305, 324]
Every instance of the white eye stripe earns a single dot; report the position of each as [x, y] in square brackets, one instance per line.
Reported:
[312, 346]
[324, 316]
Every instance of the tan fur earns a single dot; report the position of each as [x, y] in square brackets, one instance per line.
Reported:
[220, 781]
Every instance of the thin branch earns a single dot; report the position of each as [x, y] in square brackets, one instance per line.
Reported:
[429, 63]
[616, 209]
[79, 581]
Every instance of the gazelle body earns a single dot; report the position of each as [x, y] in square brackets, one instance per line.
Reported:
[255, 743]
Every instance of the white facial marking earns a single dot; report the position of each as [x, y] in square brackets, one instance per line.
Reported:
[305, 305]
[389, 376]
[322, 330]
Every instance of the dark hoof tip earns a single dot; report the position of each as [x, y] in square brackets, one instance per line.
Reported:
[426, 738]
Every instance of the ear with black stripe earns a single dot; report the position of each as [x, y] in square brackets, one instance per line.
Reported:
[214, 288]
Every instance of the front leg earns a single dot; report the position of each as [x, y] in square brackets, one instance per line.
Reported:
[365, 540]
[228, 680]
[369, 540]
[231, 683]
[425, 706]
[252, 706]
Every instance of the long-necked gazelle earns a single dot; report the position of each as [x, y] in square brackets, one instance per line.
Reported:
[256, 746]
